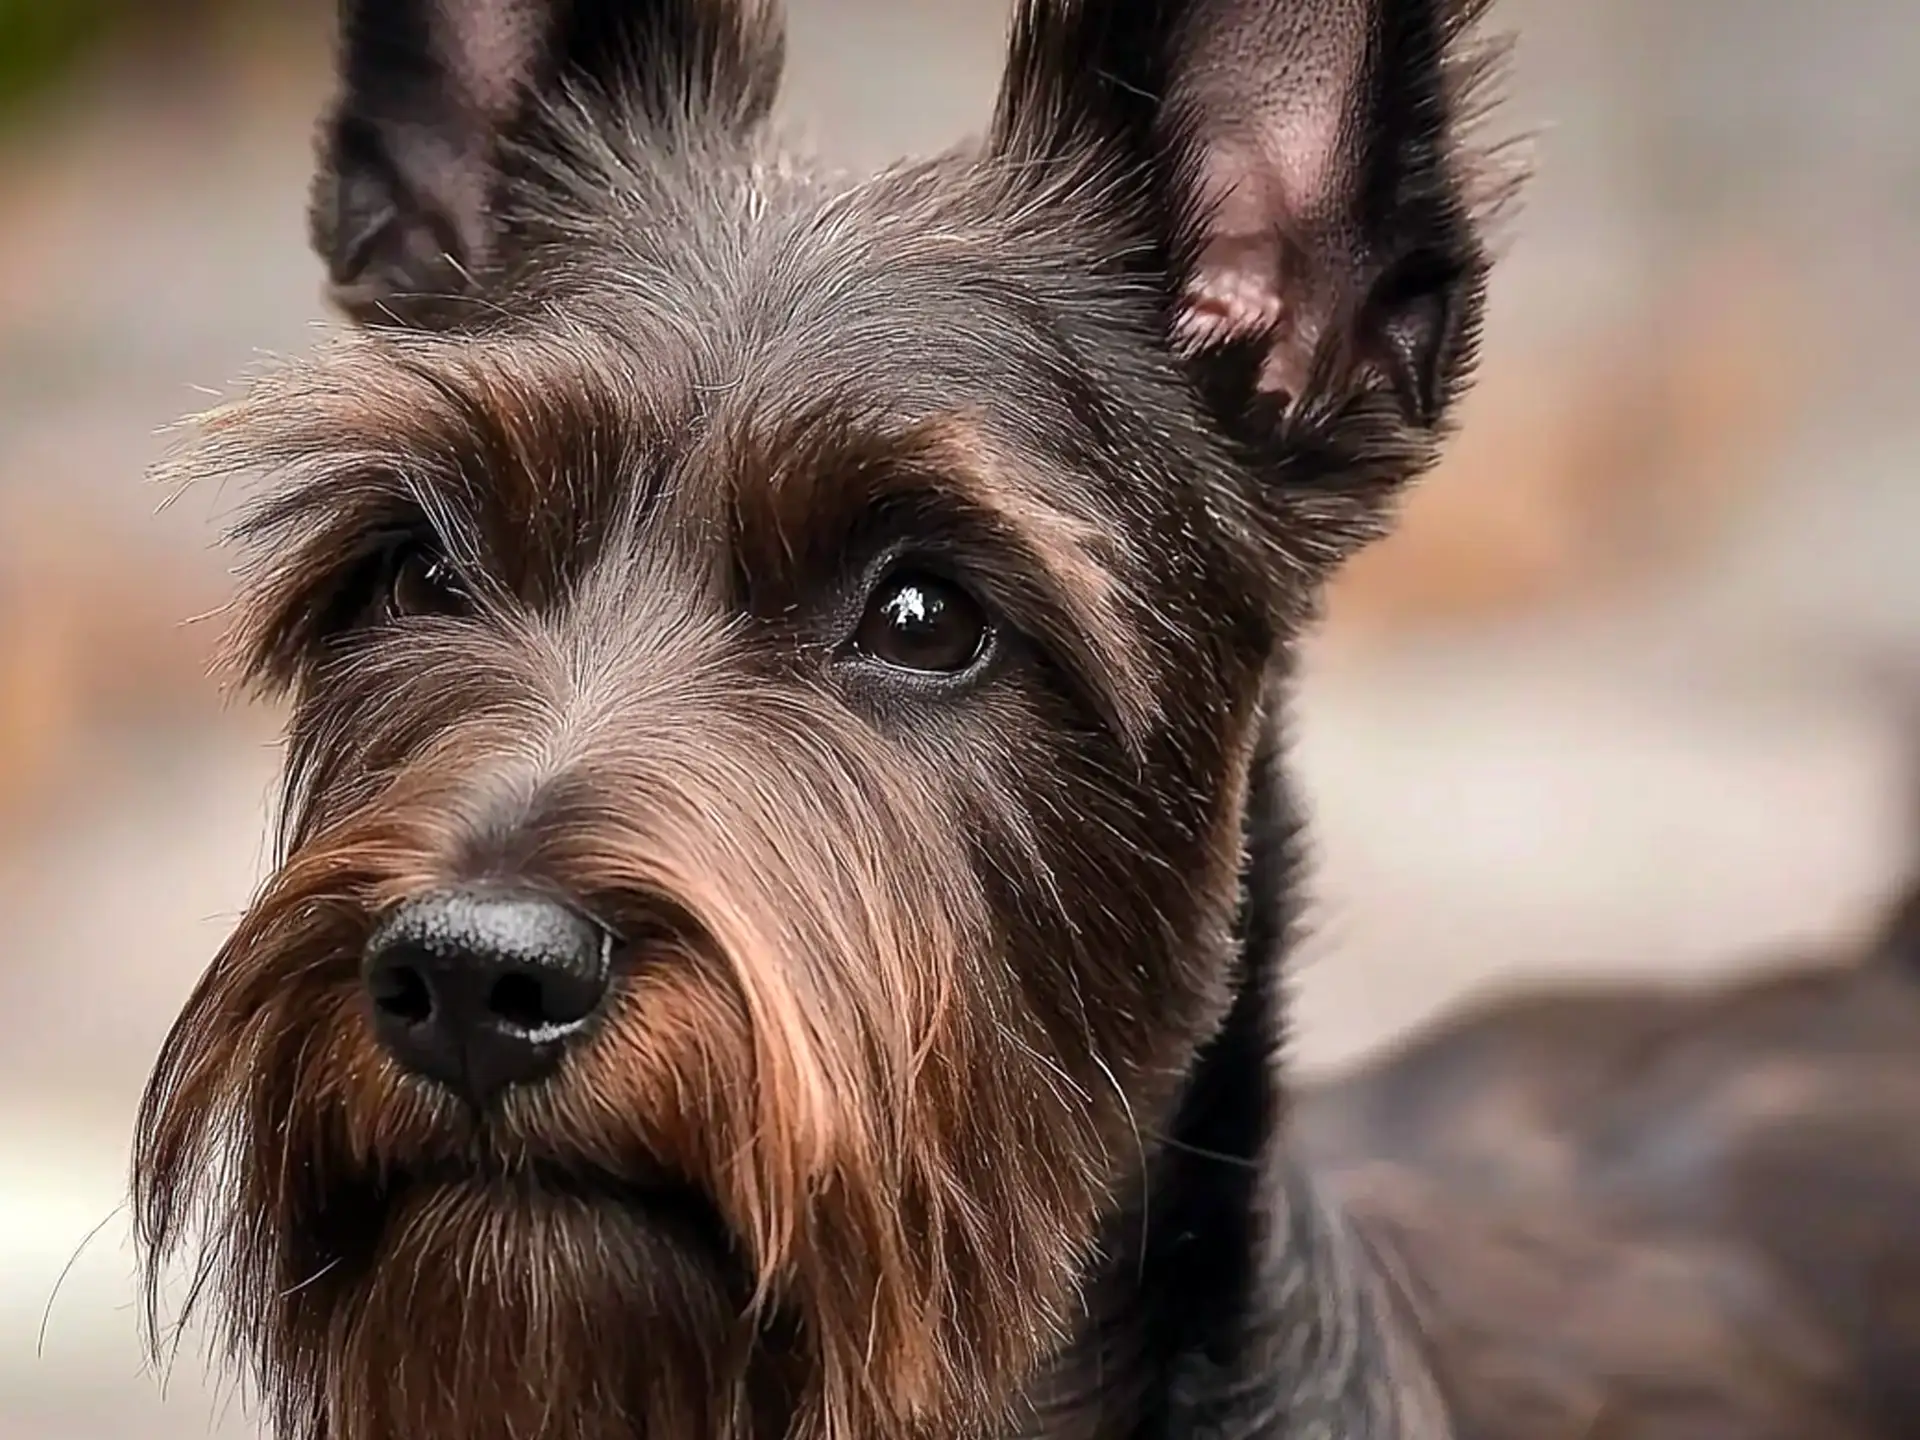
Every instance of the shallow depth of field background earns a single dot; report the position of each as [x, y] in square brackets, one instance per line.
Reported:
[1636, 688]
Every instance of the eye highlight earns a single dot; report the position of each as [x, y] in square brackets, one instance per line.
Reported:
[419, 582]
[924, 625]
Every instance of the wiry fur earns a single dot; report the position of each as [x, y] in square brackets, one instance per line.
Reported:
[939, 1095]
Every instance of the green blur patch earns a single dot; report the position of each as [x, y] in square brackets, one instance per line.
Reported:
[42, 40]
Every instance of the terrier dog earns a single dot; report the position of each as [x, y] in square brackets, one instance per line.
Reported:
[785, 874]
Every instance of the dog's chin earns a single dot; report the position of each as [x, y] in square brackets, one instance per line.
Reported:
[539, 1305]
[538, 1194]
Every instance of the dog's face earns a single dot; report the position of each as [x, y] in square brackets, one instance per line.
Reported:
[775, 668]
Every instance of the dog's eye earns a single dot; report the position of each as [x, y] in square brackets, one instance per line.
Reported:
[917, 622]
[422, 583]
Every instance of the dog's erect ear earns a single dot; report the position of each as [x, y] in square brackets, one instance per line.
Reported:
[1292, 171]
[431, 90]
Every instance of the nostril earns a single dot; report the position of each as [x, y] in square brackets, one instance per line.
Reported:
[521, 1001]
[530, 1001]
[401, 992]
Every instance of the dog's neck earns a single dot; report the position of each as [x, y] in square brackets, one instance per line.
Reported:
[1234, 1301]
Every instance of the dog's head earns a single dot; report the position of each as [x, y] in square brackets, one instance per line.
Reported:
[776, 663]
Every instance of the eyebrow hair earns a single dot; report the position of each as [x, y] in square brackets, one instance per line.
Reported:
[821, 479]
[490, 439]
[474, 442]
[506, 443]
[520, 410]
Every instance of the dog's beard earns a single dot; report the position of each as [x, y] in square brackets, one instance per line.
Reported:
[824, 1173]
[460, 1290]
[485, 1314]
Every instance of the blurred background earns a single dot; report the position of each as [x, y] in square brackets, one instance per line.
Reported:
[1632, 690]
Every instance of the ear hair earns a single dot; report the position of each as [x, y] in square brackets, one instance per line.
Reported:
[1296, 175]
[405, 209]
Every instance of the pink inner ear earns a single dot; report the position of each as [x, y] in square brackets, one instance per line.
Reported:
[1274, 88]
[1239, 286]
[1234, 291]
[1233, 294]
[1268, 188]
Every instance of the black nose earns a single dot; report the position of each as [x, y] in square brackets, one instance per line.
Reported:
[484, 989]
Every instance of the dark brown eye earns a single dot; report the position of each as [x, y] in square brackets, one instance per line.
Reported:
[421, 583]
[919, 623]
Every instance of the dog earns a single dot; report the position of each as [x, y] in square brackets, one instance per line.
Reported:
[781, 914]
[1689, 1192]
